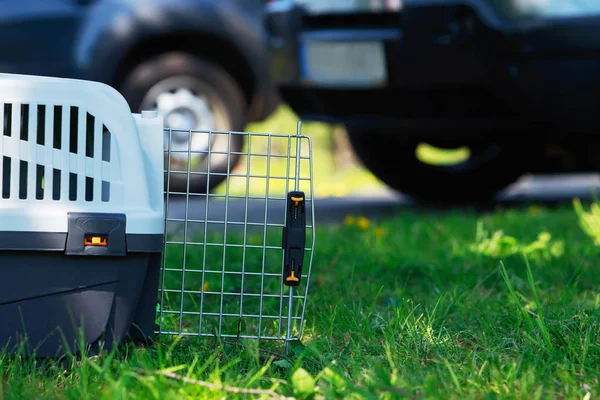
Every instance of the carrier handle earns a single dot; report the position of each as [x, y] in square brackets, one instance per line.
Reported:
[294, 238]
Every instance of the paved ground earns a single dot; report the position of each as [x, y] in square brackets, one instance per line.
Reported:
[550, 189]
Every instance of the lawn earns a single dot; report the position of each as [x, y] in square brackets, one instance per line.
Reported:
[425, 304]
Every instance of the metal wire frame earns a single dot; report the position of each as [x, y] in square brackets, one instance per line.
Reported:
[245, 297]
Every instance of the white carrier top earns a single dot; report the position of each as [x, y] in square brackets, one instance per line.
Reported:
[73, 146]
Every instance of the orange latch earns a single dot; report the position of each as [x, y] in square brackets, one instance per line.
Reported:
[95, 241]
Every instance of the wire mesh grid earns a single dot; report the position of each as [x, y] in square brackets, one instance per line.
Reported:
[222, 267]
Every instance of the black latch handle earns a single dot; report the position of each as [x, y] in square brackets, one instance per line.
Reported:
[294, 238]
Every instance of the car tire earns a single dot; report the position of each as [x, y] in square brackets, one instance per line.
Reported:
[392, 159]
[585, 154]
[207, 81]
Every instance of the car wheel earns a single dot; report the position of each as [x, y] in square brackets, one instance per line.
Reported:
[585, 154]
[477, 175]
[191, 94]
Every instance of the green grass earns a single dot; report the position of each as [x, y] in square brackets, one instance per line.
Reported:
[419, 305]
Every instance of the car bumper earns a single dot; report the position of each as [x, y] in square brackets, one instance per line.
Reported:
[491, 80]
[411, 89]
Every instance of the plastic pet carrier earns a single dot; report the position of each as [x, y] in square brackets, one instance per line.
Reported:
[94, 250]
[81, 216]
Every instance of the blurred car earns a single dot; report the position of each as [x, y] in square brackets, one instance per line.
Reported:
[513, 85]
[199, 63]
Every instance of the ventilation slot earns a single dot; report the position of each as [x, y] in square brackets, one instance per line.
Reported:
[41, 117]
[6, 177]
[23, 180]
[56, 184]
[105, 191]
[57, 127]
[39, 182]
[72, 186]
[8, 120]
[105, 144]
[89, 135]
[73, 136]
[89, 189]
[25, 122]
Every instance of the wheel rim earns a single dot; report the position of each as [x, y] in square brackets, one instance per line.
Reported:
[189, 104]
[455, 160]
[433, 155]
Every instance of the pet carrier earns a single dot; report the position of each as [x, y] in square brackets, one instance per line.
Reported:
[81, 216]
[237, 262]
[85, 224]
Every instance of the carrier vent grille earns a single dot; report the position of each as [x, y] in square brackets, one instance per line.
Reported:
[53, 153]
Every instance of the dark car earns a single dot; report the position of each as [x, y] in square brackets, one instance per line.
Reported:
[515, 84]
[200, 63]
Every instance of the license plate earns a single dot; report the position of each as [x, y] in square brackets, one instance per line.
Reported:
[349, 6]
[344, 64]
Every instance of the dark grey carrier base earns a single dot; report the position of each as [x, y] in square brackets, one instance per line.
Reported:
[52, 303]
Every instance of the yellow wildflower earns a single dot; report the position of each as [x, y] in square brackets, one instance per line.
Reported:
[379, 232]
[206, 287]
[534, 210]
[349, 220]
[363, 223]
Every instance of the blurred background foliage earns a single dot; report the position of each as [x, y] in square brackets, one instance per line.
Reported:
[336, 171]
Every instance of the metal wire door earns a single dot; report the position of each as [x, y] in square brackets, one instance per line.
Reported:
[223, 264]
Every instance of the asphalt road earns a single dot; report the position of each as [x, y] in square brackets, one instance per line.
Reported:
[530, 189]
